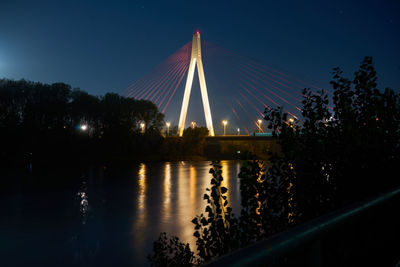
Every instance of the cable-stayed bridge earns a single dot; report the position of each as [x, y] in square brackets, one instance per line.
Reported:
[233, 88]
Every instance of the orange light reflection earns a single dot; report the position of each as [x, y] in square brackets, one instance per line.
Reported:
[167, 192]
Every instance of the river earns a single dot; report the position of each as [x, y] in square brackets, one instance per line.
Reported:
[103, 216]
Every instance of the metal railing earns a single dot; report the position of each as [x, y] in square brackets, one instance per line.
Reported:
[366, 233]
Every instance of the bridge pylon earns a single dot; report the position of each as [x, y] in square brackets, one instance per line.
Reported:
[195, 60]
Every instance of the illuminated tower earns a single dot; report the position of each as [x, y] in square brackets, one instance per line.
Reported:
[195, 59]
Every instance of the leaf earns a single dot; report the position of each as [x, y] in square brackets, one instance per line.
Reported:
[208, 209]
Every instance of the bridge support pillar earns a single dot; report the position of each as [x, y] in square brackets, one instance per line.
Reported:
[195, 60]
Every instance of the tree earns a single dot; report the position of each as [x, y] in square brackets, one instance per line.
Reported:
[194, 140]
[342, 154]
[44, 120]
[332, 157]
[84, 108]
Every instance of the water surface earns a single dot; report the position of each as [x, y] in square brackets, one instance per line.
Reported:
[103, 216]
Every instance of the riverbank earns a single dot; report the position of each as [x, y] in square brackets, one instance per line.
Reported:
[165, 149]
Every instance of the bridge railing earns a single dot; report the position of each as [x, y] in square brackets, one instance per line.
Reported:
[364, 234]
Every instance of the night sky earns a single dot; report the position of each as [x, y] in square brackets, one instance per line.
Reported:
[102, 46]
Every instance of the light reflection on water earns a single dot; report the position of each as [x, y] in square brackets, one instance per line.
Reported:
[141, 211]
[167, 192]
[192, 190]
[141, 193]
[183, 190]
[111, 218]
[83, 201]
[225, 172]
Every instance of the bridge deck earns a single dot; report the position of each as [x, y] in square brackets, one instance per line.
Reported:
[238, 138]
[238, 146]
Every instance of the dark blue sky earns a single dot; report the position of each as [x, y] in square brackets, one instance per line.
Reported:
[103, 46]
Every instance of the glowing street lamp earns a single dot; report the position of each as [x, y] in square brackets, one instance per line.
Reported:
[291, 120]
[193, 124]
[84, 127]
[238, 131]
[168, 124]
[259, 125]
[142, 127]
[224, 122]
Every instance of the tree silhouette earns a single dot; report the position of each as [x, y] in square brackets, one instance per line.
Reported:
[43, 122]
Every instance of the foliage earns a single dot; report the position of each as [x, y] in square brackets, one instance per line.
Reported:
[217, 233]
[42, 121]
[171, 252]
[266, 208]
[340, 154]
[191, 144]
[331, 157]
[194, 140]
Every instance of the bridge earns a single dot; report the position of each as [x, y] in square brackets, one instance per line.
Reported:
[237, 91]
[240, 147]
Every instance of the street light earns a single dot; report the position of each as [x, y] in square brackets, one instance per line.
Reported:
[142, 126]
[167, 124]
[238, 130]
[84, 127]
[291, 120]
[193, 124]
[259, 125]
[224, 122]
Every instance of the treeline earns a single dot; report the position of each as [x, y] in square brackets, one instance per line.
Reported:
[190, 147]
[53, 122]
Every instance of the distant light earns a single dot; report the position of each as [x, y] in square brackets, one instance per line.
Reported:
[225, 122]
[197, 32]
[142, 125]
[84, 127]
[168, 124]
[259, 125]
